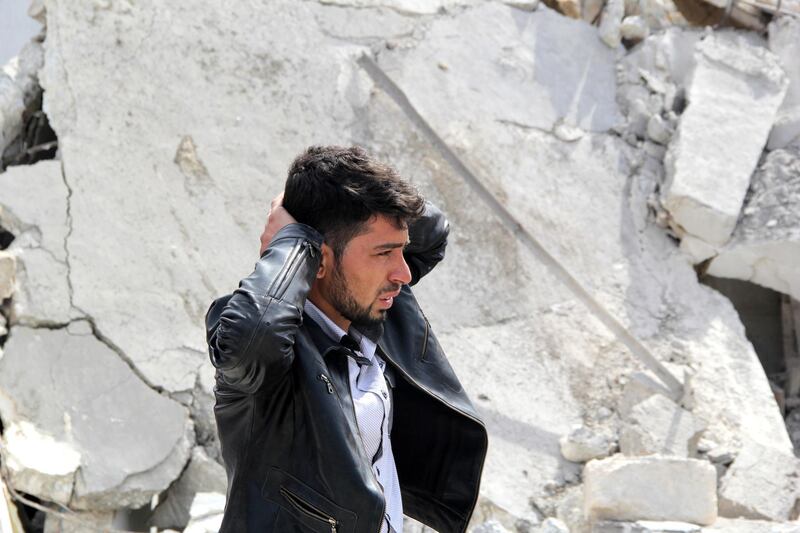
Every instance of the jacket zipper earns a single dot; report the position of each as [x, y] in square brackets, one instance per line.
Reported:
[323, 377]
[292, 267]
[361, 440]
[452, 408]
[309, 510]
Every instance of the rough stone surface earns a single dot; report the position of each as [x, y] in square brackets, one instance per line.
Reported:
[33, 206]
[610, 29]
[80, 522]
[659, 426]
[202, 475]
[74, 411]
[529, 73]
[645, 526]
[651, 488]
[8, 271]
[206, 513]
[492, 526]
[765, 248]
[634, 28]
[784, 41]
[751, 526]
[736, 86]
[582, 444]
[771, 489]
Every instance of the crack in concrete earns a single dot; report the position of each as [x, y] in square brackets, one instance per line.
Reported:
[385, 83]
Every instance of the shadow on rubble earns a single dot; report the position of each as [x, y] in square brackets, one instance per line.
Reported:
[36, 142]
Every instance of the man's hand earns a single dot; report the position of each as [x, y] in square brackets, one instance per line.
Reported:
[278, 217]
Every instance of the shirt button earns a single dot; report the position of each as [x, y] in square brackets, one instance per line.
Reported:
[385, 395]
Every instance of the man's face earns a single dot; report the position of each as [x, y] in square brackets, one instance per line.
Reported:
[362, 284]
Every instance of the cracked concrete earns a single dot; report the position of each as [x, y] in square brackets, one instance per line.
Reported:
[73, 413]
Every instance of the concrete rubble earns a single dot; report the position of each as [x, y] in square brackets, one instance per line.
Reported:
[738, 87]
[658, 425]
[651, 488]
[765, 248]
[570, 154]
[761, 484]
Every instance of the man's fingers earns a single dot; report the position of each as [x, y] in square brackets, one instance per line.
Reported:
[277, 201]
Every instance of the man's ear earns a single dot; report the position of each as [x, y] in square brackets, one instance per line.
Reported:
[326, 264]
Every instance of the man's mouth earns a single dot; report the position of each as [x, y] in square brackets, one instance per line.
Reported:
[387, 300]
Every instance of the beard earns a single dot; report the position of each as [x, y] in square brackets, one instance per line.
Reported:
[346, 304]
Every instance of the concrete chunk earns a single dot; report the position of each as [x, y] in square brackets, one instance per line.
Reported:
[658, 425]
[762, 483]
[650, 488]
[583, 444]
[79, 395]
[202, 475]
[8, 271]
[733, 97]
[728, 525]
[765, 248]
[784, 41]
[33, 206]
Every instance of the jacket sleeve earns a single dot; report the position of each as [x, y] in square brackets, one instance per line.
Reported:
[251, 332]
[428, 240]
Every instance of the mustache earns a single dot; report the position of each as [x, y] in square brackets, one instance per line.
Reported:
[393, 287]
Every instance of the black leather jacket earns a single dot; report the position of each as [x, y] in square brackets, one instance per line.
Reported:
[285, 416]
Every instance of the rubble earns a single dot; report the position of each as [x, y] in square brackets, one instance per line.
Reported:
[765, 248]
[583, 444]
[18, 85]
[80, 522]
[736, 86]
[657, 425]
[551, 176]
[201, 475]
[738, 525]
[761, 484]
[206, 513]
[33, 206]
[784, 42]
[645, 526]
[74, 417]
[8, 270]
[651, 488]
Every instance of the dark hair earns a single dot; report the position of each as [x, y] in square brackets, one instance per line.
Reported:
[336, 190]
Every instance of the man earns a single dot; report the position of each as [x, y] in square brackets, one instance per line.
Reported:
[336, 408]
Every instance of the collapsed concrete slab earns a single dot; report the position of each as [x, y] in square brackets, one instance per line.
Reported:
[658, 425]
[761, 484]
[651, 488]
[784, 42]
[536, 82]
[75, 411]
[765, 248]
[203, 474]
[738, 87]
[33, 206]
[79, 522]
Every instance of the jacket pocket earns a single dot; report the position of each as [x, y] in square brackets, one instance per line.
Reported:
[305, 505]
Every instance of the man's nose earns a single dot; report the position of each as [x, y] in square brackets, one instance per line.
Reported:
[401, 274]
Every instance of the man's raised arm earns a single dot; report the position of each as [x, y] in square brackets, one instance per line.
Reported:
[428, 240]
[251, 332]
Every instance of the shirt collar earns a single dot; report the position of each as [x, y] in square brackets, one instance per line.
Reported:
[336, 333]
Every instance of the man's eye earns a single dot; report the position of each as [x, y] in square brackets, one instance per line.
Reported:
[386, 253]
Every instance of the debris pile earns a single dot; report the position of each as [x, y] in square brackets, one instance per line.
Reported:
[597, 160]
